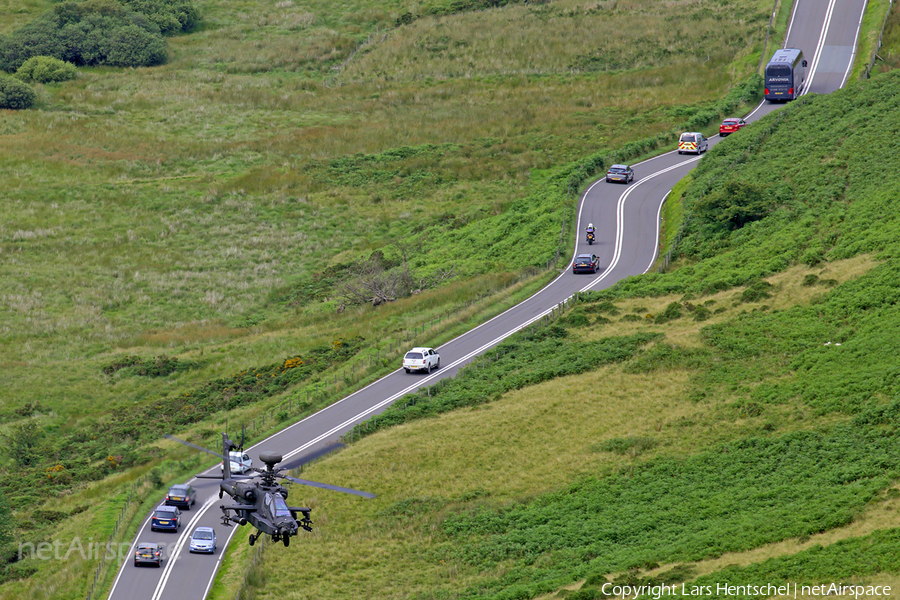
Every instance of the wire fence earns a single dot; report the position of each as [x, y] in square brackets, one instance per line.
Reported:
[762, 57]
[248, 584]
[96, 586]
[871, 65]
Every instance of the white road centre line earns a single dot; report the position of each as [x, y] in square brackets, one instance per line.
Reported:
[620, 218]
[818, 54]
[173, 556]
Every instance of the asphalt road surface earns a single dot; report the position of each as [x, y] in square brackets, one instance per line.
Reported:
[627, 222]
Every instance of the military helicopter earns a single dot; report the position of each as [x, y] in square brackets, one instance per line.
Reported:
[262, 502]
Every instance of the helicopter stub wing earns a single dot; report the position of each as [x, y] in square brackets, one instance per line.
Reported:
[236, 507]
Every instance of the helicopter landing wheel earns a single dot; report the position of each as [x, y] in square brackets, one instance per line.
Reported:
[252, 539]
[286, 540]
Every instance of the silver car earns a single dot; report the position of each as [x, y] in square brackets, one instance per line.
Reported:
[622, 173]
[203, 540]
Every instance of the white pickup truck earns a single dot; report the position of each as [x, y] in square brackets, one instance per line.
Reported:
[240, 462]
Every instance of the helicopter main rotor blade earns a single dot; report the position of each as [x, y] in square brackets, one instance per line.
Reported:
[327, 486]
[201, 448]
[306, 458]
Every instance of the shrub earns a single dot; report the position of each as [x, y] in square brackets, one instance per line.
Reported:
[132, 46]
[577, 318]
[95, 32]
[16, 94]
[757, 291]
[159, 366]
[449, 7]
[736, 204]
[171, 16]
[673, 311]
[632, 446]
[46, 69]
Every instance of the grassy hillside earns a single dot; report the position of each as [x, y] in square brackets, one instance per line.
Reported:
[183, 207]
[169, 233]
[751, 439]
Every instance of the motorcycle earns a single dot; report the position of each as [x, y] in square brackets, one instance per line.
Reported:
[590, 238]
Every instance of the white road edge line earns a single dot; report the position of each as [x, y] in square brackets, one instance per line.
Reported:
[794, 12]
[855, 45]
[658, 225]
[131, 549]
[419, 383]
[620, 217]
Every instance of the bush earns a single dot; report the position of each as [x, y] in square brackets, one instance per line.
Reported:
[46, 69]
[94, 32]
[633, 446]
[171, 16]
[673, 311]
[132, 46]
[16, 94]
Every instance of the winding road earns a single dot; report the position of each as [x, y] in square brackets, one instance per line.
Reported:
[627, 220]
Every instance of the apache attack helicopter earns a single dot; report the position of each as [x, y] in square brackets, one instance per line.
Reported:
[262, 502]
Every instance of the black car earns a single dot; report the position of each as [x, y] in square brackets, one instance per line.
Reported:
[586, 263]
[165, 518]
[147, 553]
[622, 173]
[182, 495]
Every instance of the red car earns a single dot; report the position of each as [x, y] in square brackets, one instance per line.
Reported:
[730, 126]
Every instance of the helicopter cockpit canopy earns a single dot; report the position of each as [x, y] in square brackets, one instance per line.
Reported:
[277, 506]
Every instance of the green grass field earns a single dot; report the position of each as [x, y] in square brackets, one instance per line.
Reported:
[167, 233]
[212, 209]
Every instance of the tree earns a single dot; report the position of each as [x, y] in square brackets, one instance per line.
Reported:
[92, 32]
[371, 282]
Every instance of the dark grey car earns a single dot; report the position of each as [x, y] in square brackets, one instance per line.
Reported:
[148, 553]
[182, 496]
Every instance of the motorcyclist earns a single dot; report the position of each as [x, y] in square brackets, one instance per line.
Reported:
[590, 230]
